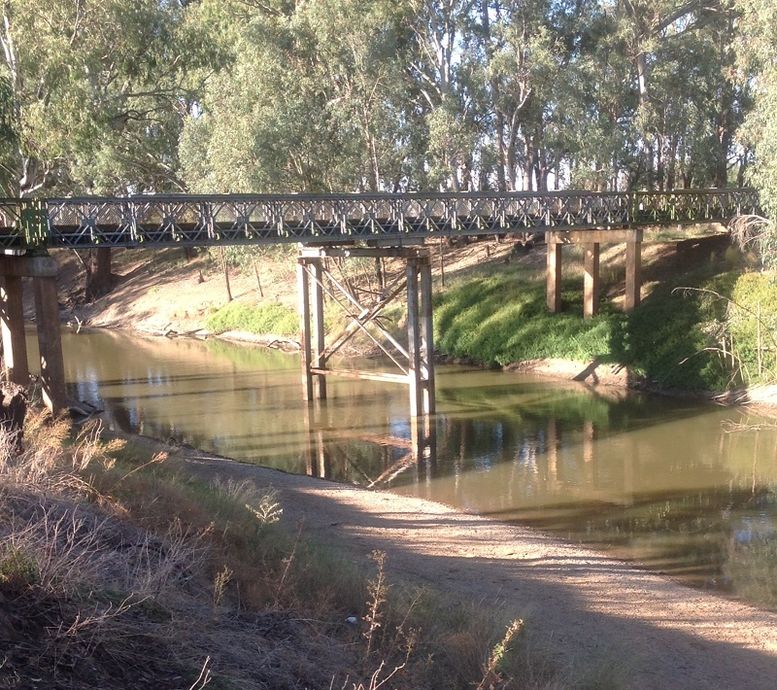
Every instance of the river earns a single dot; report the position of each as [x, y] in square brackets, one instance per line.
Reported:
[679, 486]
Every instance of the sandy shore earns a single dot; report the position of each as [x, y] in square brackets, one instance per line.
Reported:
[583, 607]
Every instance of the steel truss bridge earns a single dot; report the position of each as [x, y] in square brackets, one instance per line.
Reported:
[202, 220]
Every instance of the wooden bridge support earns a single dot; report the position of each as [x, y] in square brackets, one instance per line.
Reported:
[14, 341]
[43, 270]
[415, 362]
[591, 241]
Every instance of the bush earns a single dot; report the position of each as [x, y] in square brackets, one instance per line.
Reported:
[752, 323]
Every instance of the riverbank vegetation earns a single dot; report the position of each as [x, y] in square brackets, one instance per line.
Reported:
[708, 322]
[118, 570]
[705, 330]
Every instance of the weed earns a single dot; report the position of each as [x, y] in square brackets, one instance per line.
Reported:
[497, 656]
[378, 590]
[17, 568]
[220, 583]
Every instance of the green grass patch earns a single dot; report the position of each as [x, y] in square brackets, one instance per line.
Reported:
[675, 338]
[276, 319]
[503, 319]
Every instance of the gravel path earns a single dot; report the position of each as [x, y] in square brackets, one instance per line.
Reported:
[587, 607]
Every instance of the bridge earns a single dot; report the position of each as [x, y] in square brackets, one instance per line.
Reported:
[327, 225]
[207, 220]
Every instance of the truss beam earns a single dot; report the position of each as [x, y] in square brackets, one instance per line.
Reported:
[396, 219]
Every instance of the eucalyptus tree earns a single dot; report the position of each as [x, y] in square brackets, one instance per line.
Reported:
[94, 94]
[313, 99]
[680, 61]
[758, 63]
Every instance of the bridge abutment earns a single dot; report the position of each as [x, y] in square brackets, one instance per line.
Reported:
[43, 270]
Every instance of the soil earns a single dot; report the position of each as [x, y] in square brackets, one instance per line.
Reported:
[583, 609]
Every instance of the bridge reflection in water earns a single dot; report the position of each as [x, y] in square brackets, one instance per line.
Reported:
[656, 479]
[406, 448]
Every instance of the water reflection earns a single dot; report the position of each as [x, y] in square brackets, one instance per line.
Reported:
[407, 445]
[654, 479]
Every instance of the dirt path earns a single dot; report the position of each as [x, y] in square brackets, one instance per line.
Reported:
[588, 608]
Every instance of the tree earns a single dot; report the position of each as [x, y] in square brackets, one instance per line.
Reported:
[758, 61]
[94, 97]
[312, 100]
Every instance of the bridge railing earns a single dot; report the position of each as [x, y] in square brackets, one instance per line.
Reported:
[169, 220]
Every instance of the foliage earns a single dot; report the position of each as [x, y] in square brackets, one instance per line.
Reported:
[226, 95]
[752, 324]
[94, 94]
[758, 62]
[448, 94]
[276, 319]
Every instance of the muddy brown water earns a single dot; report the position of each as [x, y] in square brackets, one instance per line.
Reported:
[676, 485]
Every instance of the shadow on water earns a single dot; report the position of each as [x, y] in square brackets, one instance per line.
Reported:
[656, 480]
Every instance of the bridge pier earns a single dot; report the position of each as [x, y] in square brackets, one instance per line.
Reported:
[43, 270]
[14, 341]
[415, 362]
[591, 241]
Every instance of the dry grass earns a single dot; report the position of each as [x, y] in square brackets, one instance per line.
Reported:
[116, 571]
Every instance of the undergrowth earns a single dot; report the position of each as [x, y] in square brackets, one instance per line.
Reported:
[277, 319]
[117, 570]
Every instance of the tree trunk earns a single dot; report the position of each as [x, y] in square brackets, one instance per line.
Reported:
[99, 276]
[13, 409]
[225, 268]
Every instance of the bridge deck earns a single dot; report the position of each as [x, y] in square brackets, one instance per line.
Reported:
[196, 220]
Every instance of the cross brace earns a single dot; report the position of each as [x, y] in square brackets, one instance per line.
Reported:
[415, 360]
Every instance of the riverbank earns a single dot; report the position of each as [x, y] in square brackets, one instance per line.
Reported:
[604, 622]
[184, 566]
[120, 567]
[705, 327]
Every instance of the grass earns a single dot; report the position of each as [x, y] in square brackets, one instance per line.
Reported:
[503, 319]
[118, 570]
[675, 338]
[276, 319]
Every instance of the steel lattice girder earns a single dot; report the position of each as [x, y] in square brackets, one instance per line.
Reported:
[196, 220]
